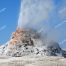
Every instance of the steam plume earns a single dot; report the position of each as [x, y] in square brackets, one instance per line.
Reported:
[33, 13]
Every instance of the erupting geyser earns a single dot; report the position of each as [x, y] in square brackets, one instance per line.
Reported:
[27, 38]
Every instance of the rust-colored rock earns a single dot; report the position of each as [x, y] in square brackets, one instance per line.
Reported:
[20, 36]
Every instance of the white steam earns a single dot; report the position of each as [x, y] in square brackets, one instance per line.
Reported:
[34, 13]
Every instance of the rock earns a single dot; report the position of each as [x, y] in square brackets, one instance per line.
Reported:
[64, 53]
[53, 48]
[21, 43]
[29, 42]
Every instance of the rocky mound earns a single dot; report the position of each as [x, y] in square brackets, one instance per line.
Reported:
[27, 42]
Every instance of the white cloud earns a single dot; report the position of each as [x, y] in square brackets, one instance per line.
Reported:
[2, 10]
[62, 41]
[3, 27]
[60, 24]
[62, 10]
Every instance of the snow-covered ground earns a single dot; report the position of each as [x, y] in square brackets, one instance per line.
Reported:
[32, 61]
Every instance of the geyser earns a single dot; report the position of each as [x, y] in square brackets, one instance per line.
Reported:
[27, 39]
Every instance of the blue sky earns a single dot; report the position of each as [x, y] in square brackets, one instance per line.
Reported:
[9, 11]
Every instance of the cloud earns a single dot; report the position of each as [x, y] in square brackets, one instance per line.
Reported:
[62, 10]
[2, 10]
[60, 24]
[62, 41]
[3, 27]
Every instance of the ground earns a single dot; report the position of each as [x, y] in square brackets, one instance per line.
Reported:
[32, 61]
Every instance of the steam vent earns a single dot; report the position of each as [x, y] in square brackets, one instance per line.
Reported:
[28, 38]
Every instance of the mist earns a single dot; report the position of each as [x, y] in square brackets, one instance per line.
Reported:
[40, 15]
[34, 13]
